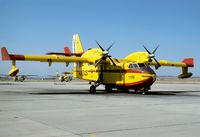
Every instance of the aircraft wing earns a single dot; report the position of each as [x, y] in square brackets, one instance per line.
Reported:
[41, 58]
[187, 62]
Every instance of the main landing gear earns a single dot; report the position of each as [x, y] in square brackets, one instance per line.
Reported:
[108, 88]
[93, 87]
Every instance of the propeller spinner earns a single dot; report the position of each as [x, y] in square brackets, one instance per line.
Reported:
[152, 56]
[105, 54]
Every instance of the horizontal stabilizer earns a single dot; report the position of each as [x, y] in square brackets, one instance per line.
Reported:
[56, 53]
[67, 51]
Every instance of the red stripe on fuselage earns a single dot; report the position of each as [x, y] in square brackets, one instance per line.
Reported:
[117, 71]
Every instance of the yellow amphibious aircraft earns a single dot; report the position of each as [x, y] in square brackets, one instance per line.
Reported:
[98, 67]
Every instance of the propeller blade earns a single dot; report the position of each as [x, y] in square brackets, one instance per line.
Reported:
[155, 49]
[99, 61]
[105, 54]
[151, 55]
[147, 50]
[100, 46]
[116, 60]
[158, 64]
[112, 60]
[110, 46]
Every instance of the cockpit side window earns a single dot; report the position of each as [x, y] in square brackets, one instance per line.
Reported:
[133, 66]
[136, 66]
[130, 66]
[142, 65]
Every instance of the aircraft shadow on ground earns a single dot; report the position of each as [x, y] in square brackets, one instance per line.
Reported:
[115, 92]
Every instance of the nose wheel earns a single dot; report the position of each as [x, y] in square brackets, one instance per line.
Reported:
[145, 90]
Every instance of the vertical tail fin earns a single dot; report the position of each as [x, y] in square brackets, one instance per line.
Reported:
[77, 49]
[76, 44]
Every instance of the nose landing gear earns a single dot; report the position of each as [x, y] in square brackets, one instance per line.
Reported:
[143, 90]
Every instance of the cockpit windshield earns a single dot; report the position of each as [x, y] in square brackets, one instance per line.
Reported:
[137, 66]
[141, 66]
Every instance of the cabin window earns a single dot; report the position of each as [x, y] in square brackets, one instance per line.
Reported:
[133, 66]
[142, 65]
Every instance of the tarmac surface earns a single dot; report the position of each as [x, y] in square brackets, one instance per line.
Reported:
[48, 109]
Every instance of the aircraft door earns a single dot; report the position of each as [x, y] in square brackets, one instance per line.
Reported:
[112, 75]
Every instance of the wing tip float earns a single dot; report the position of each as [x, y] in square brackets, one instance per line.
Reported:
[189, 63]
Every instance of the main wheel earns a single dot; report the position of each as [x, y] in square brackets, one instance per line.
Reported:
[108, 88]
[126, 90]
[92, 89]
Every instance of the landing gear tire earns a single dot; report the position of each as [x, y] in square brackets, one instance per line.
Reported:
[92, 89]
[126, 90]
[108, 88]
[145, 90]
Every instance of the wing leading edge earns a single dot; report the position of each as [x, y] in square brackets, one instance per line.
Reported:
[187, 62]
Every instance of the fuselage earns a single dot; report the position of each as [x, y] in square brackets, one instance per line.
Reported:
[123, 75]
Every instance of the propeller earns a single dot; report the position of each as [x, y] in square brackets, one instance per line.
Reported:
[105, 54]
[152, 56]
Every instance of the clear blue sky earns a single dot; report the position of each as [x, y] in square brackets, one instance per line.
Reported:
[40, 26]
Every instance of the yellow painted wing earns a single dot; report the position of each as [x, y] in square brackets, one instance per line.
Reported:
[44, 58]
[188, 62]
